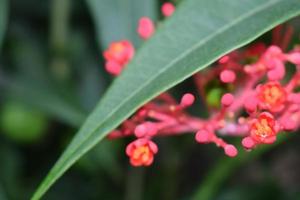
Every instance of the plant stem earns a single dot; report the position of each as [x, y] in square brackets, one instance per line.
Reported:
[134, 183]
[4, 9]
[59, 26]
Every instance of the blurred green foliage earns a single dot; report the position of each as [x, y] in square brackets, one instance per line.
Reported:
[21, 123]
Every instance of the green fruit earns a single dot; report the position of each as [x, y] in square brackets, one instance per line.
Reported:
[21, 123]
[214, 96]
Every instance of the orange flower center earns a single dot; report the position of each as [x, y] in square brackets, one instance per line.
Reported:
[273, 94]
[263, 129]
[117, 47]
[142, 154]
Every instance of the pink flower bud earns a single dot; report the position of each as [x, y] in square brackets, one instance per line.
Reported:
[224, 59]
[145, 129]
[227, 99]
[142, 112]
[167, 9]
[202, 136]
[294, 98]
[250, 104]
[140, 130]
[151, 128]
[288, 124]
[278, 72]
[274, 51]
[146, 28]
[187, 100]
[113, 67]
[230, 150]
[227, 76]
[294, 58]
[248, 143]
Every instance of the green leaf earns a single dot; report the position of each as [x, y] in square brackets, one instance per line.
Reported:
[3, 18]
[197, 34]
[118, 19]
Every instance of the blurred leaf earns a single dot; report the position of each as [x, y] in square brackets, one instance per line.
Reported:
[264, 190]
[33, 78]
[3, 18]
[28, 51]
[2, 194]
[11, 170]
[91, 80]
[118, 19]
[103, 156]
[182, 46]
[45, 98]
[22, 124]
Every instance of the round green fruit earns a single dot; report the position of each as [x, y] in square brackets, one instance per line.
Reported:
[21, 123]
[214, 96]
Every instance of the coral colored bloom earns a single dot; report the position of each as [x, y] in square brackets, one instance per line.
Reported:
[272, 96]
[167, 9]
[121, 52]
[145, 28]
[263, 129]
[141, 152]
[118, 55]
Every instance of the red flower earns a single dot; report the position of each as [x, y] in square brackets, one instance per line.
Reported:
[141, 152]
[263, 129]
[117, 56]
[272, 96]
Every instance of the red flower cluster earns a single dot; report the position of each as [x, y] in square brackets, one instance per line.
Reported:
[117, 56]
[141, 152]
[251, 81]
[120, 53]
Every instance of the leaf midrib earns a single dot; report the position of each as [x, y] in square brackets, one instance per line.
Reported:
[177, 59]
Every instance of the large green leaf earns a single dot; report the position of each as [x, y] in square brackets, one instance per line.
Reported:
[196, 35]
[118, 19]
[3, 18]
